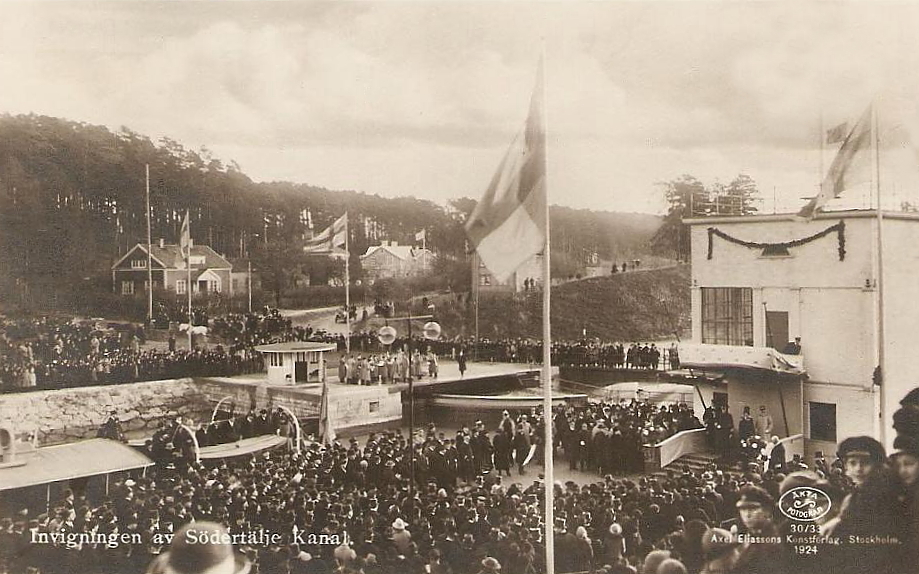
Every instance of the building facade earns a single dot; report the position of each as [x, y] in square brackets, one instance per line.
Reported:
[763, 281]
[391, 260]
[210, 271]
[527, 277]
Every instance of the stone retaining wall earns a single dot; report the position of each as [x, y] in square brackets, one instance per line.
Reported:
[71, 414]
[67, 415]
[258, 396]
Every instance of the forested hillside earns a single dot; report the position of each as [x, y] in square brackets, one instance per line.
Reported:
[635, 306]
[72, 200]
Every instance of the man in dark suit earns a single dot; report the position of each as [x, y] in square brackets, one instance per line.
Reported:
[502, 445]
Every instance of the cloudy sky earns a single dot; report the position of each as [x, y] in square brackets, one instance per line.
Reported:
[422, 97]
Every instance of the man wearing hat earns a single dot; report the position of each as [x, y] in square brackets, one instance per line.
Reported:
[193, 551]
[759, 536]
[401, 537]
[869, 510]
[614, 546]
[490, 566]
[764, 423]
[755, 508]
[906, 463]
[507, 424]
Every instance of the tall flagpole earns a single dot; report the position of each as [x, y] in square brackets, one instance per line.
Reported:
[547, 347]
[475, 277]
[880, 280]
[347, 283]
[821, 176]
[149, 256]
[191, 321]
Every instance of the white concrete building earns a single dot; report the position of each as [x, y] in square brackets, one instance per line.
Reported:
[761, 281]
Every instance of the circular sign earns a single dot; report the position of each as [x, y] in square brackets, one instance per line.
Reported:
[805, 503]
[431, 330]
[387, 335]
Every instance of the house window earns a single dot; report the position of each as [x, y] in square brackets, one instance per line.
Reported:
[127, 287]
[822, 421]
[374, 406]
[138, 264]
[727, 316]
[181, 286]
[485, 280]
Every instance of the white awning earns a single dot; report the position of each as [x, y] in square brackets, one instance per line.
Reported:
[721, 357]
[67, 461]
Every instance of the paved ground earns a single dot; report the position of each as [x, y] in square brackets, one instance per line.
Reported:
[320, 318]
[449, 371]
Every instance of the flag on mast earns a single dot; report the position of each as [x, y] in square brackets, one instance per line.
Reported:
[185, 238]
[508, 224]
[421, 235]
[326, 430]
[843, 171]
[331, 239]
[837, 134]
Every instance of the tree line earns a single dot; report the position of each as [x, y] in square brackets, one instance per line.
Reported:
[688, 197]
[72, 201]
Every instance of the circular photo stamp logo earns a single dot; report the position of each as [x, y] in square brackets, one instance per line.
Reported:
[805, 503]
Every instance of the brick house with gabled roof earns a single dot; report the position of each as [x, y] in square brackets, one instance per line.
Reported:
[210, 271]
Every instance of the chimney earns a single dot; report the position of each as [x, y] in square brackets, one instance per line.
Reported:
[162, 243]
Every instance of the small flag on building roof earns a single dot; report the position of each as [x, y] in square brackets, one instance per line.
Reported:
[849, 167]
[837, 134]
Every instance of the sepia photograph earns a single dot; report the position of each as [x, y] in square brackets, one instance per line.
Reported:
[459, 287]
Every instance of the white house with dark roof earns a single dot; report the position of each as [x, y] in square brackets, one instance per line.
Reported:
[390, 259]
[210, 271]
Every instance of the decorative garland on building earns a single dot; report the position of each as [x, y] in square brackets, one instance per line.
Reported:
[839, 228]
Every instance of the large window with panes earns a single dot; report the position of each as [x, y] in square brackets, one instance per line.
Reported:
[727, 316]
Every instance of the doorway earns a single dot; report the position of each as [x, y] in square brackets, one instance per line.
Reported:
[301, 371]
[777, 329]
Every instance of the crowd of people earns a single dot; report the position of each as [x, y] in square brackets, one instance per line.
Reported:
[388, 367]
[583, 353]
[47, 353]
[60, 353]
[466, 510]
[607, 437]
[348, 508]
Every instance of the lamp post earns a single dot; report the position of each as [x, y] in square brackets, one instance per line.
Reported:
[387, 336]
